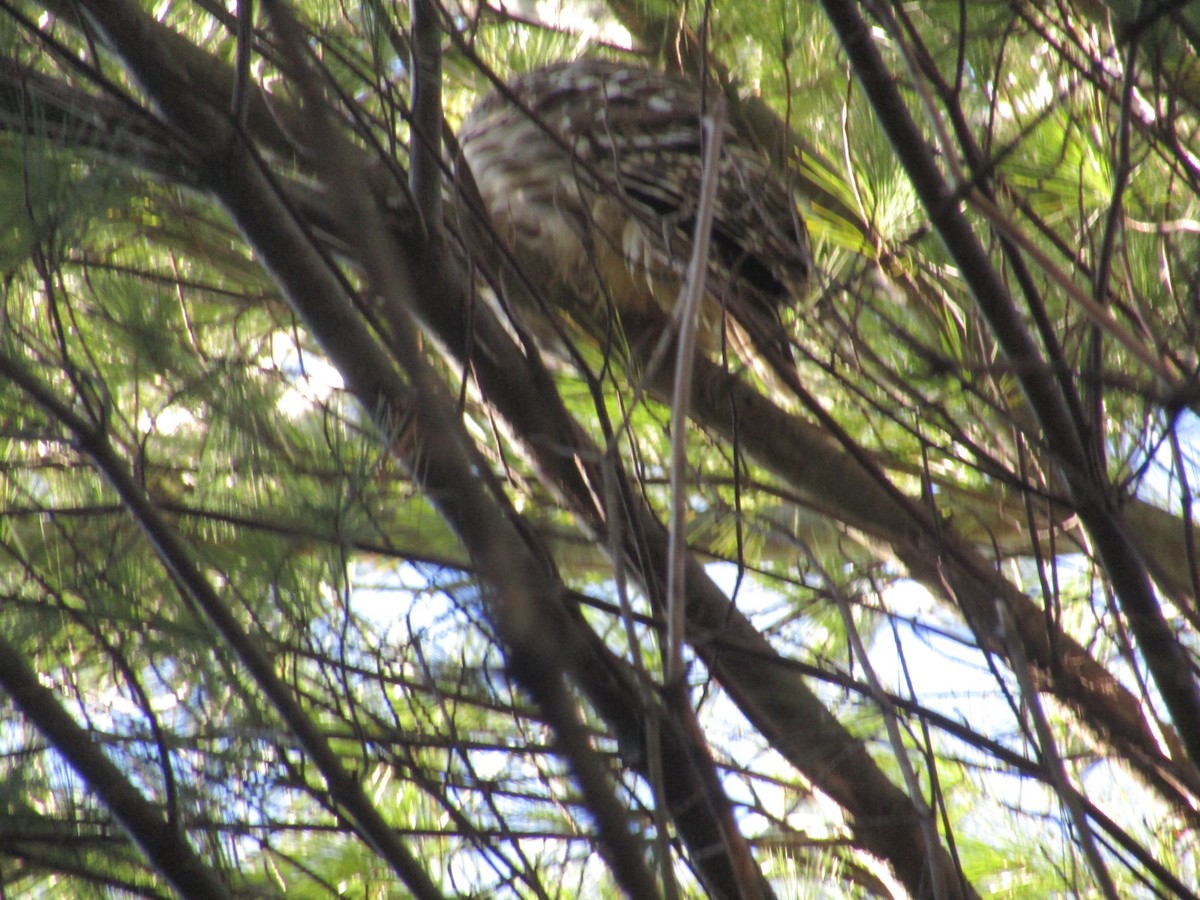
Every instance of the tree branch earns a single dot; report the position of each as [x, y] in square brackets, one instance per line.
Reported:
[1090, 492]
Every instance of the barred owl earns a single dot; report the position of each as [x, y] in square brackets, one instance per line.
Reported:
[593, 182]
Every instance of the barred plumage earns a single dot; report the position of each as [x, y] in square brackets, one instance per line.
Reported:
[594, 185]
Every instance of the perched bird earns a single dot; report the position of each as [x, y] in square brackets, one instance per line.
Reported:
[592, 172]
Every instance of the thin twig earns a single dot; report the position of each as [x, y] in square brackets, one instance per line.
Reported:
[691, 297]
[1052, 763]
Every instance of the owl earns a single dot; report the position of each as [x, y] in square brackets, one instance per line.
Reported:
[591, 173]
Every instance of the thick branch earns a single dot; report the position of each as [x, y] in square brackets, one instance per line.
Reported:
[812, 461]
[166, 847]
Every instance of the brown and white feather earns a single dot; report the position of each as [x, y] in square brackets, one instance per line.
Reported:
[593, 181]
